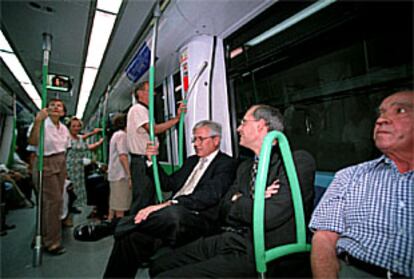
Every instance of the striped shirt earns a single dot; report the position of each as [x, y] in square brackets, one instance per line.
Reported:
[371, 207]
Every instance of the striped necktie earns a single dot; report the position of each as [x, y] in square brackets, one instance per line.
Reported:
[253, 173]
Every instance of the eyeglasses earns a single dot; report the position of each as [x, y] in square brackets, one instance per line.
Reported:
[243, 121]
[201, 139]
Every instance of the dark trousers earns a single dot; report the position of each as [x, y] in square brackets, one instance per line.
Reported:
[143, 192]
[223, 255]
[171, 225]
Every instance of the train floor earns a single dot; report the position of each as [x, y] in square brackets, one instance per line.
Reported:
[81, 260]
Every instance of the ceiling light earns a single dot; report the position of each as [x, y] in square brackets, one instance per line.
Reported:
[290, 21]
[14, 65]
[110, 6]
[102, 26]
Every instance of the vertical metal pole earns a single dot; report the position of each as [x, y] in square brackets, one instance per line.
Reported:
[97, 125]
[37, 251]
[157, 14]
[104, 119]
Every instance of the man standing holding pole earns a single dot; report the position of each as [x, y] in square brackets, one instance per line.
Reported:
[137, 139]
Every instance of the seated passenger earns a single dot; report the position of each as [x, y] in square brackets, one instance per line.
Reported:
[230, 253]
[191, 212]
[365, 221]
[22, 177]
[12, 195]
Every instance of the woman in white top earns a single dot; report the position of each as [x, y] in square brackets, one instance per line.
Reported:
[118, 170]
[54, 171]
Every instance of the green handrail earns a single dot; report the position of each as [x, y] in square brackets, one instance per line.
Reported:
[44, 100]
[98, 123]
[104, 143]
[151, 101]
[261, 255]
[37, 251]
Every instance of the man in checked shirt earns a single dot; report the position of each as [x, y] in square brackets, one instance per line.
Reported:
[365, 222]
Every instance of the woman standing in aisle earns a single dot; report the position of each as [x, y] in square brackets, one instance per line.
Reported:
[118, 171]
[77, 151]
[54, 171]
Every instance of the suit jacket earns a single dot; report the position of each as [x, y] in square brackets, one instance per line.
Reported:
[279, 215]
[206, 197]
[210, 189]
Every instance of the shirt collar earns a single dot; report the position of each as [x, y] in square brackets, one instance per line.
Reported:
[142, 104]
[387, 161]
[49, 122]
[211, 157]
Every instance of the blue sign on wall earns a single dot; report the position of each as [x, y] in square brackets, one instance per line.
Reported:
[139, 64]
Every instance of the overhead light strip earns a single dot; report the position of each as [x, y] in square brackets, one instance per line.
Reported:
[103, 24]
[290, 21]
[14, 65]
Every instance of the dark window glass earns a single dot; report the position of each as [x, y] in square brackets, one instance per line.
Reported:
[327, 74]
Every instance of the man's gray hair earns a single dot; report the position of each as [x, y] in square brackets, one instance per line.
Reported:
[215, 128]
[272, 116]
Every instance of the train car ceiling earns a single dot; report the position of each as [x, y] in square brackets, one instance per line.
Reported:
[70, 22]
[181, 21]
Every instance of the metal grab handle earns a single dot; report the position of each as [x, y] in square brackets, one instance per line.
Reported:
[261, 255]
[182, 116]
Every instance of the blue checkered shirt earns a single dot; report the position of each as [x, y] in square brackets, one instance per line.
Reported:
[371, 207]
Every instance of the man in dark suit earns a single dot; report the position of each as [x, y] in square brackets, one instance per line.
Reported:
[230, 253]
[191, 212]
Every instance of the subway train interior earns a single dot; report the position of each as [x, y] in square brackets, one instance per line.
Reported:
[325, 64]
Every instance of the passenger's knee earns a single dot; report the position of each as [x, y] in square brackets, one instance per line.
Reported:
[171, 215]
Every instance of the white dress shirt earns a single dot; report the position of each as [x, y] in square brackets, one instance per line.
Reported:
[196, 174]
[56, 138]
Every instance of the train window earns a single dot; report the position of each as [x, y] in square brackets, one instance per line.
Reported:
[159, 115]
[165, 108]
[178, 97]
[327, 74]
[177, 87]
